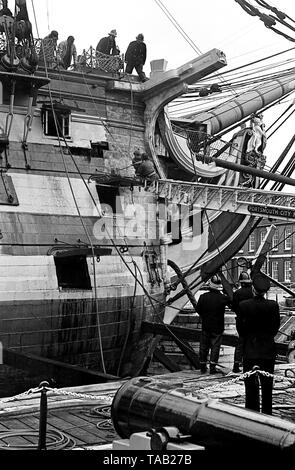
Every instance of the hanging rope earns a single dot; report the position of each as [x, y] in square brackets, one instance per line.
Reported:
[279, 13]
[76, 205]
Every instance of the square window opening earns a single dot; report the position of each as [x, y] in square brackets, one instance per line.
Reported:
[56, 122]
[109, 198]
[72, 272]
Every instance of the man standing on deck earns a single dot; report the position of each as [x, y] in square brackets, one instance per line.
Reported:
[258, 323]
[243, 293]
[66, 52]
[211, 308]
[135, 57]
[107, 45]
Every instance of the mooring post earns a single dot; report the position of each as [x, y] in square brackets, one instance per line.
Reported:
[43, 416]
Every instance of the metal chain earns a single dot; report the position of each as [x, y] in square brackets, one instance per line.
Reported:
[218, 387]
[21, 395]
[106, 399]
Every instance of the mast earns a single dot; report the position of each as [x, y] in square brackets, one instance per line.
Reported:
[244, 105]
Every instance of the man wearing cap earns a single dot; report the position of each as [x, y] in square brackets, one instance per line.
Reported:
[258, 323]
[107, 45]
[211, 307]
[135, 57]
[243, 293]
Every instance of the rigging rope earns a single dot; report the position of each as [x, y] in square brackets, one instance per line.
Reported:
[268, 20]
[75, 202]
[280, 125]
[178, 27]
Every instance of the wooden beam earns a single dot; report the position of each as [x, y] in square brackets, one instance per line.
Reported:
[63, 374]
[191, 334]
[188, 351]
[161, 357]
[184, 347]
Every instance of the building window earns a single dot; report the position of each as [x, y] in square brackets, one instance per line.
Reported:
[287, 271]
[275, 240]
[288, 238]
[56, 120]
[252, 242]
[72, 272]
[275, 270]
[264, 267]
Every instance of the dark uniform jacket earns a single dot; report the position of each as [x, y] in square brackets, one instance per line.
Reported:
[211, 307]
[136, 53]
[107, 45]
[243, 293]
[258, 323]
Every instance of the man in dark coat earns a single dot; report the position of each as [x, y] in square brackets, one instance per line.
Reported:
[211, 307]
[258, 323]
[243, 293]
[135, 57]
[107, 45]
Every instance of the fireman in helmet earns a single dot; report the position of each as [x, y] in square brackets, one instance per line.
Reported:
[243, 293]
[211, 308]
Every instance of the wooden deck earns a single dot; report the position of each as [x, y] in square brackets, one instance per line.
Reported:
[87, 420]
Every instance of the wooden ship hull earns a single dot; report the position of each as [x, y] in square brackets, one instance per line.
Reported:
[84, 244]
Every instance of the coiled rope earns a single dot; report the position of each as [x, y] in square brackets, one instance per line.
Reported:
[57, 440]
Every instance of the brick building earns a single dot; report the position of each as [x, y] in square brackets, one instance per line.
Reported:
[280, 262]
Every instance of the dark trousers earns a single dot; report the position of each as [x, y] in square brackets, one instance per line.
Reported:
[238, 354]
[252, 400]
[138, 68]
[209, 342]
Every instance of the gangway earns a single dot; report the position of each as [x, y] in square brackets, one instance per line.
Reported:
[240, 200]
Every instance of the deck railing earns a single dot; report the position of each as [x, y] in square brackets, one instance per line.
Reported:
[89, 59]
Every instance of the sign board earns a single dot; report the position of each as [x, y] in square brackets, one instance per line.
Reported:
[272, 211]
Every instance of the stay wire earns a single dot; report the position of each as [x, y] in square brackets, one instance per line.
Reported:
[178, 27]
[280, 125]
[280, 117]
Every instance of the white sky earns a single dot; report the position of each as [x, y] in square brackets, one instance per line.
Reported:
[209, 23]
[220, 24]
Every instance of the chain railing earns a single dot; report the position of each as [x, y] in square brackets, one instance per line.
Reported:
[107, 399]
[20, 395]
[51, 439]
[219, 386]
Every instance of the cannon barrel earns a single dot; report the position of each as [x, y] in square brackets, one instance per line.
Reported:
[144, 403]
